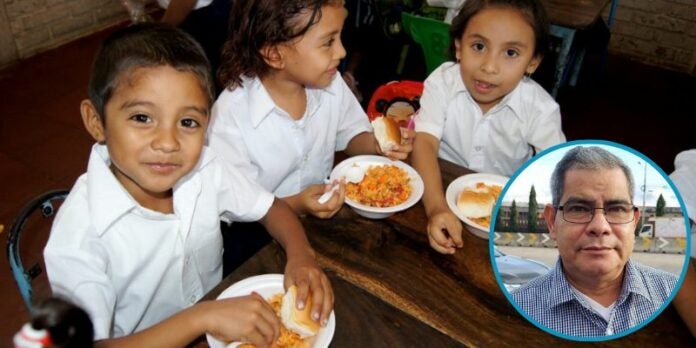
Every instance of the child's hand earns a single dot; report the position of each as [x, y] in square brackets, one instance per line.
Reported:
[242, 319]
[401, 151]
[305, 273]
[445, 231]
[311, 194]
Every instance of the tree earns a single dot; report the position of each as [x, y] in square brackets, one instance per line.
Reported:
[513, 217]
[660, 206]
[532, 212]
[499, 222]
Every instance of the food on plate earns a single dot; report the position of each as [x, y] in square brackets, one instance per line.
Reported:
[382, 186]
[476, 203]
[298, 320]
[298, 328]
[387, 132]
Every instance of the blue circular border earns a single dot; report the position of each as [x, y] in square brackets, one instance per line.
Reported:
[491, 242]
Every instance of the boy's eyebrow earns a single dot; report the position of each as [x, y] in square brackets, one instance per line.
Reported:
[132, 103]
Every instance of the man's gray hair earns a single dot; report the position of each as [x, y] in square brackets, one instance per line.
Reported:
[592, 158]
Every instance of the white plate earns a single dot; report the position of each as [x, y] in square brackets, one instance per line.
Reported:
[470, 180]
[365, 162]
[268, 285]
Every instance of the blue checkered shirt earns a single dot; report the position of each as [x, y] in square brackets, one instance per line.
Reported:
[550, 300]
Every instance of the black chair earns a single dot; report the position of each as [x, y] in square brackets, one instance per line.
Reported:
[32, 226]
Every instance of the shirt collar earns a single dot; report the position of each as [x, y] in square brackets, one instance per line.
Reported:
[261, 105]
[512, 100]
[107, 199]
[562, 292]
[632, 284]
[260, 102]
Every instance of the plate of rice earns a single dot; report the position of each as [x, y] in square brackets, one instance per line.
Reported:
[386, 188]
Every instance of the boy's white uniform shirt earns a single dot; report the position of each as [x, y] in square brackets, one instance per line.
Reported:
[282, 154]
[131, 267]
[498, 142]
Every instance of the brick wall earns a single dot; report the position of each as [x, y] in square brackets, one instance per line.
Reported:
[657, 32]
[32, 26]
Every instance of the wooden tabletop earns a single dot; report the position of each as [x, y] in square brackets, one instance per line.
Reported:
[575, 14]
[393, 290]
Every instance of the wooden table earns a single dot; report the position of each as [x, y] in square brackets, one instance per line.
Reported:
[393, 290]
[567, 17]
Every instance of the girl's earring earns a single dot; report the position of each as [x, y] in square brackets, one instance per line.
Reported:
[527, 75]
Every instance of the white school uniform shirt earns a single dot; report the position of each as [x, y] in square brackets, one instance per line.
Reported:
[498, 142]
[684, 178]
[131, 267]
[282, 154]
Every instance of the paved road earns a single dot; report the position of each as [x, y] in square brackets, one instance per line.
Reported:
[672, 263]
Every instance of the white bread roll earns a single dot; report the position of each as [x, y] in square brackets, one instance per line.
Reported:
[475, 204]
[299, 321]
[387, 132]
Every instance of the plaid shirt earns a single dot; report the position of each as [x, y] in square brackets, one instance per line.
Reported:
[551, 302]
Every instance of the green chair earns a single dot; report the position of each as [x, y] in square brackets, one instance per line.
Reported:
[432, 35]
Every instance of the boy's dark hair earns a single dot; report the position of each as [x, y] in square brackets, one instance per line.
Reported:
[255, 24]
[68, 325]
[145, 45]
[533, 12]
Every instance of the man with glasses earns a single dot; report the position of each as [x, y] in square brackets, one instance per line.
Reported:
[595, 288]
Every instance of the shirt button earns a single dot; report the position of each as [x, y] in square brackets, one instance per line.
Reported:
[478, 148]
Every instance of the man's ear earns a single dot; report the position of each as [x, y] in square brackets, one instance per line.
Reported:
[273, 56]
[550, 218]
[636, 218]
[92, 121]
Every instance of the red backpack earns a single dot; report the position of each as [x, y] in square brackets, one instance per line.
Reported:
[397, 99]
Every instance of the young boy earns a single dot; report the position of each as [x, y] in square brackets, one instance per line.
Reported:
[137, 241]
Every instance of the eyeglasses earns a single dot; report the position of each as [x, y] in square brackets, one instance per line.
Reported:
[579, 213]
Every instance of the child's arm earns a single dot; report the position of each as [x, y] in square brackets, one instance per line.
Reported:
[444, 228]
[301, 268]
[306, 201]
[248, 319]
[366, 144]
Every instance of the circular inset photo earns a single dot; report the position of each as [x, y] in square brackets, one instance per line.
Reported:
[590, 240]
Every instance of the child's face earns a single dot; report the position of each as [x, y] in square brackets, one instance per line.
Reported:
[155, 129]
[313, 59]
[495, 51]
